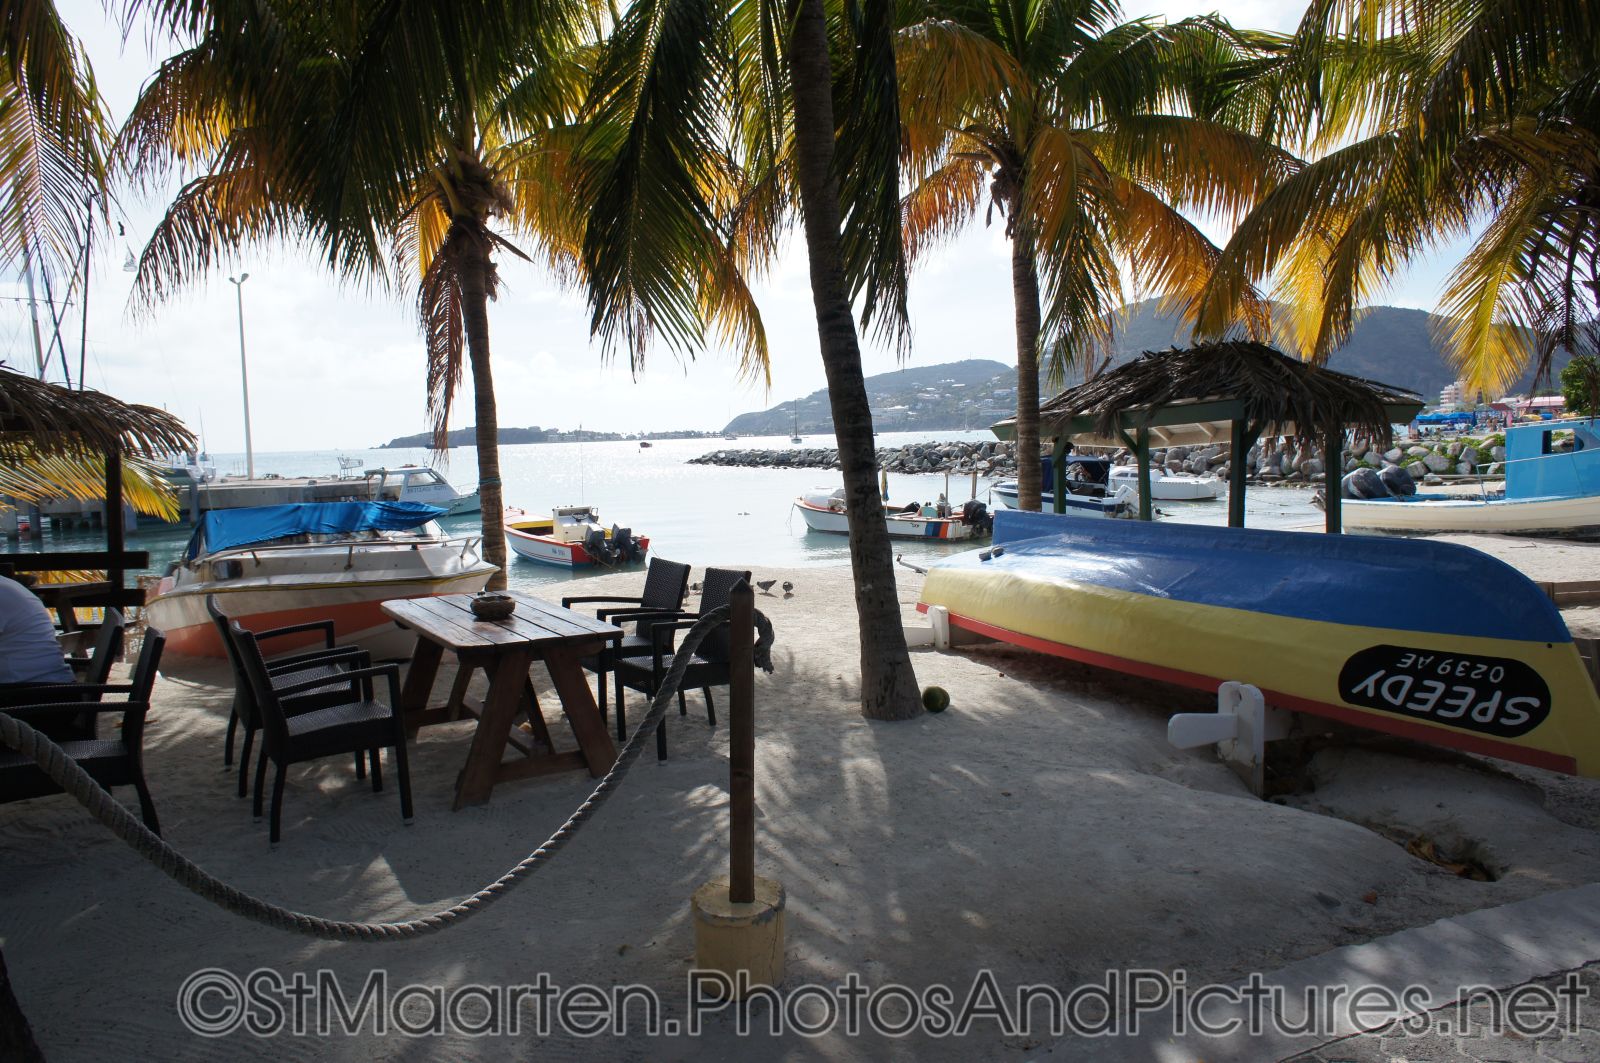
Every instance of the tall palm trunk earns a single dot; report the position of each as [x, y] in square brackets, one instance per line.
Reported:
[1025, 299]
[475, 272]
[888, 684]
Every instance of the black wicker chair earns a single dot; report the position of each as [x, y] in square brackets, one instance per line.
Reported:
[357, 724]
[92, 672]
[327, 662]
[665, 585]
[110, 762]
[707, 668]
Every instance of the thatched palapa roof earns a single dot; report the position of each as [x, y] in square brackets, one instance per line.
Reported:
[1188, 395]
[51, 419]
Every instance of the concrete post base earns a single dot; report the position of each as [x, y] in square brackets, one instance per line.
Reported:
[732, 937]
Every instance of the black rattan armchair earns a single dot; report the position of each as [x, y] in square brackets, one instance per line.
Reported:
[357, 723]
[110, 762]
[665, 585]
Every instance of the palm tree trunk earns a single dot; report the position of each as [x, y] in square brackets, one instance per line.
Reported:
[1025, 299]
[475, 271]
[888, 684]
[16, 1037]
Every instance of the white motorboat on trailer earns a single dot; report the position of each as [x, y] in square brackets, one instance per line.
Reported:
[419, 483]
[824, 511]
[572, 537]
[277, 566]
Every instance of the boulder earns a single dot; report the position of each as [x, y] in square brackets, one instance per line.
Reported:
[1466, 468]
[1418, 452]
[1437, 463]
[1497, 469]
[1362, 483]
[1497, 453]
[1454, 449]
[1393, 456]
[1397, 481]
[1416, 469]
[1432, 479]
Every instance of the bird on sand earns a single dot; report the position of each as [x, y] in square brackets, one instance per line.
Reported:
[766, 586]
[695, 587]
[788, 589]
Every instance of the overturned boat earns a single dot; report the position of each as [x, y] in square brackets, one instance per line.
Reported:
[1426, 640]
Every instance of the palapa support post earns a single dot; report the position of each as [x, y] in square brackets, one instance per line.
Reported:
[1242, 438]
[1142, 451]
[1332, 479]
[738, 917]
[1058, 475]
[116, 540]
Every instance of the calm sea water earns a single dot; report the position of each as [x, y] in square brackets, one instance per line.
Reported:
[701, 514]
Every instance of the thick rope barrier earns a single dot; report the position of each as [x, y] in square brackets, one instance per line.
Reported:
[109, 811]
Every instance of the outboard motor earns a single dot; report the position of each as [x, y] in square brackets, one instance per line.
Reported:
[977, 516]
[600, 551]
[626, 546]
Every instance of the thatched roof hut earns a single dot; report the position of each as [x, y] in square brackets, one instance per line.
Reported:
[51, 419]
[1191, 395]
[37, 418]
[1234, 391]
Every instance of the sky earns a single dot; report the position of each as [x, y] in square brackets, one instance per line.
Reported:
[338, 367]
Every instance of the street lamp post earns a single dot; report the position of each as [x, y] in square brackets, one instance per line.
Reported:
[244, 376]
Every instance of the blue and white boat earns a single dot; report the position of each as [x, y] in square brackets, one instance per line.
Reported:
[1552, 488]
[1090, 490]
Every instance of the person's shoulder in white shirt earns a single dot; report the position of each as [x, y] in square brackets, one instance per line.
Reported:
[29, 652]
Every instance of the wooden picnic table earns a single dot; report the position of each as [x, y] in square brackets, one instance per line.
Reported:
[505, 649]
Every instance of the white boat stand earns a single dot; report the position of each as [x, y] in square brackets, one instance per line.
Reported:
[940, 634]
[1240, 728]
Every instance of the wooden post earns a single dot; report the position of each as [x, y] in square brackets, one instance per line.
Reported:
[1236, 473]
[1142, 452]
[1058, 476]
[1332, 479]
[742, 745]
[115, 542]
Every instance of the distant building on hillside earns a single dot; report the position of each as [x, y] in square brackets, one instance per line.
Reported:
[1450, 395]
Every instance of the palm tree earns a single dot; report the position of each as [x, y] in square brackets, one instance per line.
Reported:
[709, 118]
[1429, 121]
[396, 139]
[53, 137]
[1090, 137]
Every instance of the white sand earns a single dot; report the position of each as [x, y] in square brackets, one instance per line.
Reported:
[1041, 828]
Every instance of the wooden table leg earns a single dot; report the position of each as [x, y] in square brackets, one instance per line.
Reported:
[506, 676]
[419, 681]
[530, 705]
[577, 701]
[458, 689]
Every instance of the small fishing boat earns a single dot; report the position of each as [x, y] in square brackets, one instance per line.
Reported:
[1552, 488]
[1090, 492]
[795, 436]
[824, 511]
[275, 566]
[1427, 640]
[419, 483]
[572, 537]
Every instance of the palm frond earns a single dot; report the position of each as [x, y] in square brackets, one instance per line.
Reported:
[33, 478]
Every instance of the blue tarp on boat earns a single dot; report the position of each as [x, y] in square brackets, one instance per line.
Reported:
[1365, 581]
[221, 529]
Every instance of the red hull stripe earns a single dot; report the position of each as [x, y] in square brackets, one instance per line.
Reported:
[202, 640]
[1536, 758]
